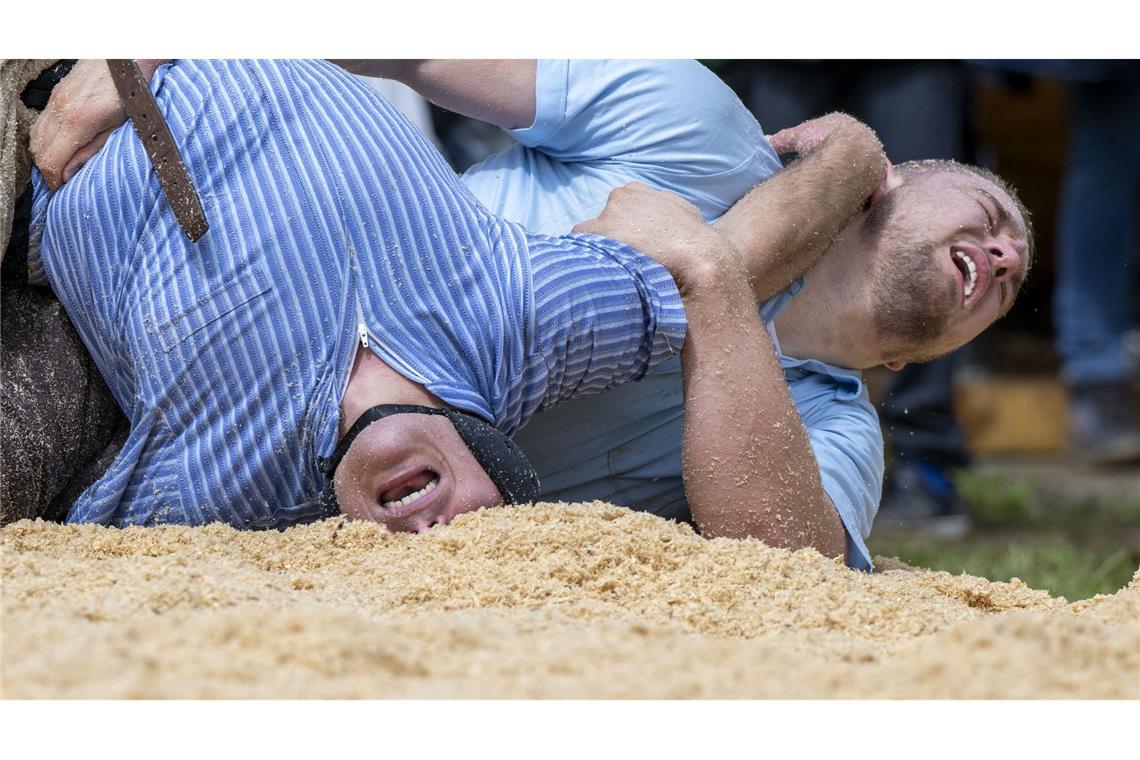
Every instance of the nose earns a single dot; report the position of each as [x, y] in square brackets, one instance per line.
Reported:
[427, 523]
[1006, 256]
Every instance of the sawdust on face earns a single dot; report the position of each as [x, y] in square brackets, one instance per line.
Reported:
[553, 600]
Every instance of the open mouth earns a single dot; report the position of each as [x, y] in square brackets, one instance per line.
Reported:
[969, 271]
[974, 270]
[404, 493]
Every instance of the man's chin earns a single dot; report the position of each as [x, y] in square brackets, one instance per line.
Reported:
[914, 336]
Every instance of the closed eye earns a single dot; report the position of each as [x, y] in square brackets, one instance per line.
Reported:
[990, 224]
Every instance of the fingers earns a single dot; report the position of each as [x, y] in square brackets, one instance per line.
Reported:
[784, 141]
[53, 154]
[82, 111]
[43, 146]
[806, 136]
[51, 161]
[891, 180]
[590, 225]
[619, 199]
[84, 154]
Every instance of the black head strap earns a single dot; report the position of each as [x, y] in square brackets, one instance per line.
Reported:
[500, 457]
[329, 464]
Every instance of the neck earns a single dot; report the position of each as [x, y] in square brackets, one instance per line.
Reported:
[829, 319]
[372, 382]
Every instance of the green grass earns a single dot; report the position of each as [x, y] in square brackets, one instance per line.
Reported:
[998, 496]
[995, 498]
[1073, 542]
[1065, 567]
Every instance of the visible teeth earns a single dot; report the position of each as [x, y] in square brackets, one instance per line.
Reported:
[972, 268]
[412, 496]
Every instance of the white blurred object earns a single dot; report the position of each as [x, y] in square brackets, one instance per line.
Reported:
[408, 101]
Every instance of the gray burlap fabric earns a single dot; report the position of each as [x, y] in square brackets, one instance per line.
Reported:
[61, 428]
[15, 120]
[59, 425]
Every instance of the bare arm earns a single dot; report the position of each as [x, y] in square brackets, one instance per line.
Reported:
[747, 464]
[749, 470]
[500, 92]
[782, 225]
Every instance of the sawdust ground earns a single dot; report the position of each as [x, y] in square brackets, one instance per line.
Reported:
[546, 601]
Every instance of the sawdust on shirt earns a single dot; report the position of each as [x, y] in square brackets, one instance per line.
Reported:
[555, 600]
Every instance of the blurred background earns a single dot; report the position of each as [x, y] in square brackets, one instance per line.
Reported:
[1019, 455]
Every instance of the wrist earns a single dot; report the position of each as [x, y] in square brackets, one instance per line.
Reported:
[719, 270]
[864, 150]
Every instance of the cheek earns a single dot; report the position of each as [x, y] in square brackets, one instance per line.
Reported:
[479, 492]
[352, 496]
[491, 496]
[984, 316]
[475, 489]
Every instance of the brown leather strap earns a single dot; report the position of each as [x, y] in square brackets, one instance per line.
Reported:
[159, 146]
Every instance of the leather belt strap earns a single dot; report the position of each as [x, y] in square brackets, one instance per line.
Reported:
[159, 145]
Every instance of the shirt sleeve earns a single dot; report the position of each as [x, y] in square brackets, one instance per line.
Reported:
[606, 315]
[848, 446]
[673, 121]
[40, 197]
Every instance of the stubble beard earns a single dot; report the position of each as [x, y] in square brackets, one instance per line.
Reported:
[909, 301]
[911, 297]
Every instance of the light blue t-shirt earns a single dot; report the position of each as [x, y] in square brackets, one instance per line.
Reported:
[672, 125]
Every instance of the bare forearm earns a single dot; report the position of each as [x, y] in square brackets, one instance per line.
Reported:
[783, 225]
[500, 92]
[748, 467]
[385, 68]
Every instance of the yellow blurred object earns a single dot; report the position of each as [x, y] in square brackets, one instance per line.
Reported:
[1012, 415]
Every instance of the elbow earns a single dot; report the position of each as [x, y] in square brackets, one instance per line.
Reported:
[834, 544]
[825, 530]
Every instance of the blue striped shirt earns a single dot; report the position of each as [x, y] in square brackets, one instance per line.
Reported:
[332, 220]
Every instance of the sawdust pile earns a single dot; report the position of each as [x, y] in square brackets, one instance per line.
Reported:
[548, 601]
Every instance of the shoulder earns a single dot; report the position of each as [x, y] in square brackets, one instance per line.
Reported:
[662, 110]
[671, 124]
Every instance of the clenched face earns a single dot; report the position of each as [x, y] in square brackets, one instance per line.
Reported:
[950, 253]
[410, 472]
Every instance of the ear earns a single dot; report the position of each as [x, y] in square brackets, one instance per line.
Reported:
[894, 366]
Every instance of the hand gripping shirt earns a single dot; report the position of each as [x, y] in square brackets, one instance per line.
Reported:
[675, 126]
[333, 223]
